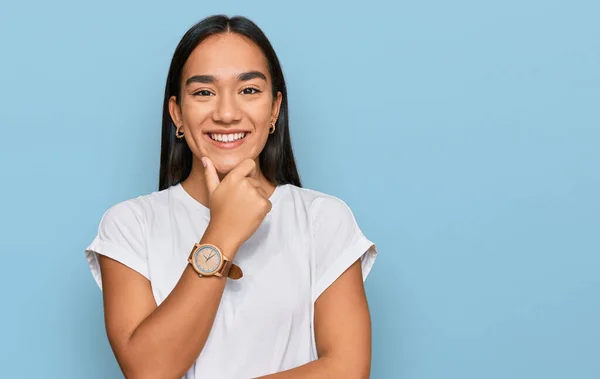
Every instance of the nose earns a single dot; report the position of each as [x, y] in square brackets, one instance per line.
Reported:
[227, 110]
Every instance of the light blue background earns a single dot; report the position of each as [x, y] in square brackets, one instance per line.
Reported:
[465, 136]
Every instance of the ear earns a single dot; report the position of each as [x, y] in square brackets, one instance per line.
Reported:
[276, 106]
[175, 111]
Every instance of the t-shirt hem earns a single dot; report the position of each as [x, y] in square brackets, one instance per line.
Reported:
[363, 249]
[109, 250]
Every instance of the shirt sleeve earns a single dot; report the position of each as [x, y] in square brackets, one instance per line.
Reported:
[338, 242]
[120, 237]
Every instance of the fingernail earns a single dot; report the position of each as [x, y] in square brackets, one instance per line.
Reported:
[203, 162]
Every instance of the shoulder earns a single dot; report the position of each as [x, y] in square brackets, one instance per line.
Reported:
[135, 210]
[320, 205]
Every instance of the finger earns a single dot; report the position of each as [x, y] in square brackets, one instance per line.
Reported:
[247, 168]
[269, 206]
[255, 182]
[262, 193]
[210, 174]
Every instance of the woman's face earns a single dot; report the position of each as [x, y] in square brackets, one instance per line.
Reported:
[226, 104]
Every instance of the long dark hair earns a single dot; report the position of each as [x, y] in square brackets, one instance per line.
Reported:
[277, 158]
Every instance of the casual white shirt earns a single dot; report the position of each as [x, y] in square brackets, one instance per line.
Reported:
[264, 323]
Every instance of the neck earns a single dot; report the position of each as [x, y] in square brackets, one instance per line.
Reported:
[195, 183]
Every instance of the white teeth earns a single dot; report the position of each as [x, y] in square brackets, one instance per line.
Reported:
[227, 137]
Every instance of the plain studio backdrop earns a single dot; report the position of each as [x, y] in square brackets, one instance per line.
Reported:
[464, 135]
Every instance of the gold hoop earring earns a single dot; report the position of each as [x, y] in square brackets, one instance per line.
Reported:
[178, 132]
[272, 128]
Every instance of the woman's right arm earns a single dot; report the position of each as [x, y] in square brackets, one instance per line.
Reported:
[164, 341]
[151, 341]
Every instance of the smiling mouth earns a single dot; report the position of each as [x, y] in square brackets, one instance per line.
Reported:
[227, 140]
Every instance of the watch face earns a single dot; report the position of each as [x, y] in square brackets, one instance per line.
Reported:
[207, 259]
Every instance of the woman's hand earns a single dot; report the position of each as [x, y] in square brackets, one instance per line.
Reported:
[238, 205]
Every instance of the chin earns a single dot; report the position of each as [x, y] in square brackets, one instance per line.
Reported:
[224, 166]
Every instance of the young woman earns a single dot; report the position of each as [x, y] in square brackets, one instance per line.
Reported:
[232, 269]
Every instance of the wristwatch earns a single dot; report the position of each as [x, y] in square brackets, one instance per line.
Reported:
[208, 260]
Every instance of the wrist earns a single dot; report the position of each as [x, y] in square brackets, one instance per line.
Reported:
[222, 240]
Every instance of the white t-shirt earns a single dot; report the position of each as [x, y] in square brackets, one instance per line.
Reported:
[264, 323]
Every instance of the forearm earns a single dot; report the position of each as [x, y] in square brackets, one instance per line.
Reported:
[169, 340]
[324, 367]
[320, 368]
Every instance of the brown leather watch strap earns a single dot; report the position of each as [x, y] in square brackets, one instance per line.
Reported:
[235, 272]
[231, 270]
[226, 268]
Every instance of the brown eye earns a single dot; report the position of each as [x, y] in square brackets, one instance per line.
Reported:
[203, 92]
[250, 91]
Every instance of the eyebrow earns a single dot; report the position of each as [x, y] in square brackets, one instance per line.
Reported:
[243, 77]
